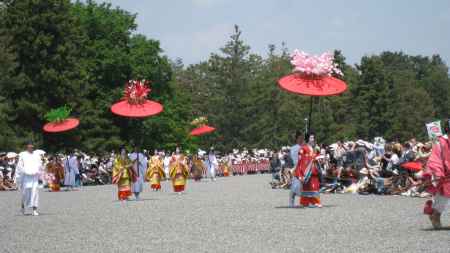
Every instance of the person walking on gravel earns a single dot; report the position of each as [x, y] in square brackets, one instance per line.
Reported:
[29, 169]
[123, 175]
[212, 164]
[309, 174]
[295, 155]
[438, 167]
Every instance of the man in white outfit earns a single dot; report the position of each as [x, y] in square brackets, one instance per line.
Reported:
[212, 164]
[29, 169]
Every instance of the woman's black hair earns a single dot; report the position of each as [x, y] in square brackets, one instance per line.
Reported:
[308, 134]
[298, 133]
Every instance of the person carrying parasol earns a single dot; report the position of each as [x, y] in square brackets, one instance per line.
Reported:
[308, 173]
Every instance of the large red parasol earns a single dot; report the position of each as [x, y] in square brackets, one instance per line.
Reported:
[312, 86]
[312, 77]
[412, 166]
[205, 129]
[65, 125]
[134, 103]
[146, 109]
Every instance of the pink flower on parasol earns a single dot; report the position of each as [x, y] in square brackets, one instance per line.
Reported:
[313, 77]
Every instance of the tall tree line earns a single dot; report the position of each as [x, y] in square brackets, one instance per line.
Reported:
[391, 95]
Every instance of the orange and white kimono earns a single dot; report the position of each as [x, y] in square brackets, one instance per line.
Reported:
[179, 174]
[55, 173]
[155, 173]
[123, 176]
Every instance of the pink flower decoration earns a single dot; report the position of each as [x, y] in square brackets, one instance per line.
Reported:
[322, 65]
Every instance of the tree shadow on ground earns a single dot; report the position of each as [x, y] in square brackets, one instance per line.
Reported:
[436, 230]
[133, 200]
[40, 214]
[299, 207]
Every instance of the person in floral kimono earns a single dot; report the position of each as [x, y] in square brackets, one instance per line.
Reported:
[308, 173]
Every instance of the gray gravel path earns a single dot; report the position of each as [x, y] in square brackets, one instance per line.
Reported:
[235, 214]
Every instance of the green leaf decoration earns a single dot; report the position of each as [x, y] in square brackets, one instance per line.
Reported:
[59, 114]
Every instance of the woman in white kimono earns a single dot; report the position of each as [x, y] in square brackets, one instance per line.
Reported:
[212, 164]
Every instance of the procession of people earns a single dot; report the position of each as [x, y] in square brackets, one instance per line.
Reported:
[307, 169]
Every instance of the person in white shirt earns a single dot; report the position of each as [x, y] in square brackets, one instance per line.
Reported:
[29, 169]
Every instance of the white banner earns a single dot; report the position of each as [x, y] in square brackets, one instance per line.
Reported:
[434, 130]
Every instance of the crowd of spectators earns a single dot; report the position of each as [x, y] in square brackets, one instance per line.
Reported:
[363, 167]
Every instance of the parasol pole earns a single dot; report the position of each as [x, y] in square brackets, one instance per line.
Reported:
[310, 115]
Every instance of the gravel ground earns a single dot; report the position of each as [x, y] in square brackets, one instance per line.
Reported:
[235, 214]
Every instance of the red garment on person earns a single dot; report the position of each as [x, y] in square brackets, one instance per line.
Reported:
[310, 190]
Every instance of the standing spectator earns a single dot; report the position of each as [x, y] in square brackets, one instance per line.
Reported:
[275, 166]
[339, 155]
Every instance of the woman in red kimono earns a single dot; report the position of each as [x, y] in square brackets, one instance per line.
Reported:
[309, 175]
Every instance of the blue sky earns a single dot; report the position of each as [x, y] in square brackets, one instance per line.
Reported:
[192, 29]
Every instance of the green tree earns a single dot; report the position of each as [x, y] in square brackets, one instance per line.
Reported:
[46, 45]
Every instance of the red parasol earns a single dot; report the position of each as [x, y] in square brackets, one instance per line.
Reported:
[312, 77]
[205, 129]
[312, 86]
[65, 125]
[412, 166]
[134, 103]
[125, 109]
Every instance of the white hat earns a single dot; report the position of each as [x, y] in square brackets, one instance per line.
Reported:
[40, 152]
[11, 155]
